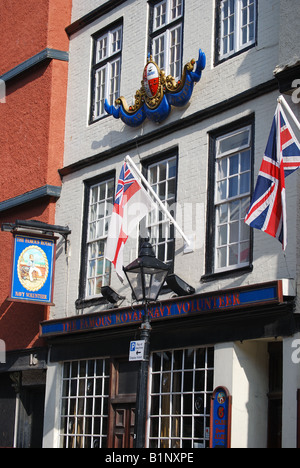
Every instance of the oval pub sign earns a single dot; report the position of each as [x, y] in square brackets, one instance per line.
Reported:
[151, 79]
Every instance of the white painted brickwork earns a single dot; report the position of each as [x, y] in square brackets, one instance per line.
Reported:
[236, 75]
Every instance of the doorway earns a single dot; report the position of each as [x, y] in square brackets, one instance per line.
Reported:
[275, 395]
[31, 417]
[123, 404]
[124, 426]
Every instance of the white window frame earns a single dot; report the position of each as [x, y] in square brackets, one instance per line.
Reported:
[179, 400]
[237, 27]
[231, 226]
[103, 90]
[167, 28]
[100, 211]
[162, 235]
[84, 404]
[169, 7]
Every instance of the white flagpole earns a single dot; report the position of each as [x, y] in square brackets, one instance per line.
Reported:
[283, 101]
[157, 199]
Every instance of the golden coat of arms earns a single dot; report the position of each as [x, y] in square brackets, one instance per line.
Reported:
[158, 93]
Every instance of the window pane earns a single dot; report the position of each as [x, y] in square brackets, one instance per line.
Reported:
[234, 164]
[234, 210]
[245, 161]
[234, 142]
[102, 48]
[233, 255]
[171, 189]
[176, 9]
[222, 235]
[233, 187]
[98, 270]
[245, 183]
[222, 257]
[245, 231]
[228, 22]
[247, 22]
[233, 176]
[106, 77]
[175, 53]
[238, 21]
[234, 232]
[163, 179]
[222, 190]
[159, 52]
[244, 252]
[225, 46]
[222, 168]
[100, 92]
[167, 47]
[251, 32]
[223, 213]
[181, 394]
[116, 40]
[162, 169]
[114, 91]
[79, 426]
[160, 17]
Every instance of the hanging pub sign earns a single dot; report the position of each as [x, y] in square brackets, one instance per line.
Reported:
[220, 418]
[158, 93]
[33, 269]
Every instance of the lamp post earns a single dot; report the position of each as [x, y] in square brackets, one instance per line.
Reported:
[146, 276]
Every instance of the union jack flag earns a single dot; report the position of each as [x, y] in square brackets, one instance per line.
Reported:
[132, 204]
[267, 211]
[126, 188]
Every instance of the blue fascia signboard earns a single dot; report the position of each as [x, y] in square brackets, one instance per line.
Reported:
[220, 301]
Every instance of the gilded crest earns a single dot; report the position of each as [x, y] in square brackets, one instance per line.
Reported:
[158, 93]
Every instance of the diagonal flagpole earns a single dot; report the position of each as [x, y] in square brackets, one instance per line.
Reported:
[157, 199]
[283, 101]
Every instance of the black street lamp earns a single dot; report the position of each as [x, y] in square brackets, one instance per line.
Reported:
[146, 276]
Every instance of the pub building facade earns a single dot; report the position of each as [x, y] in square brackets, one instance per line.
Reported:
[229, 317]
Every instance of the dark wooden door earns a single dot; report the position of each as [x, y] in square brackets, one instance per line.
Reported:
[124, 421]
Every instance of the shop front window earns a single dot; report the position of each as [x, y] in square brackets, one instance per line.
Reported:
[84, 404]
[181, 387]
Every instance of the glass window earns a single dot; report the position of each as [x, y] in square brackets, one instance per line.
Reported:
[100, 211]
[237, 26]
[166, 37]
[232, 198]
[181, 385]
[106, 70]
[163, 179]
[84, 404]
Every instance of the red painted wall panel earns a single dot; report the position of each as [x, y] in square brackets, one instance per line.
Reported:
[32, 130]
[31, 139]
[29, 26]
[19, 323]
